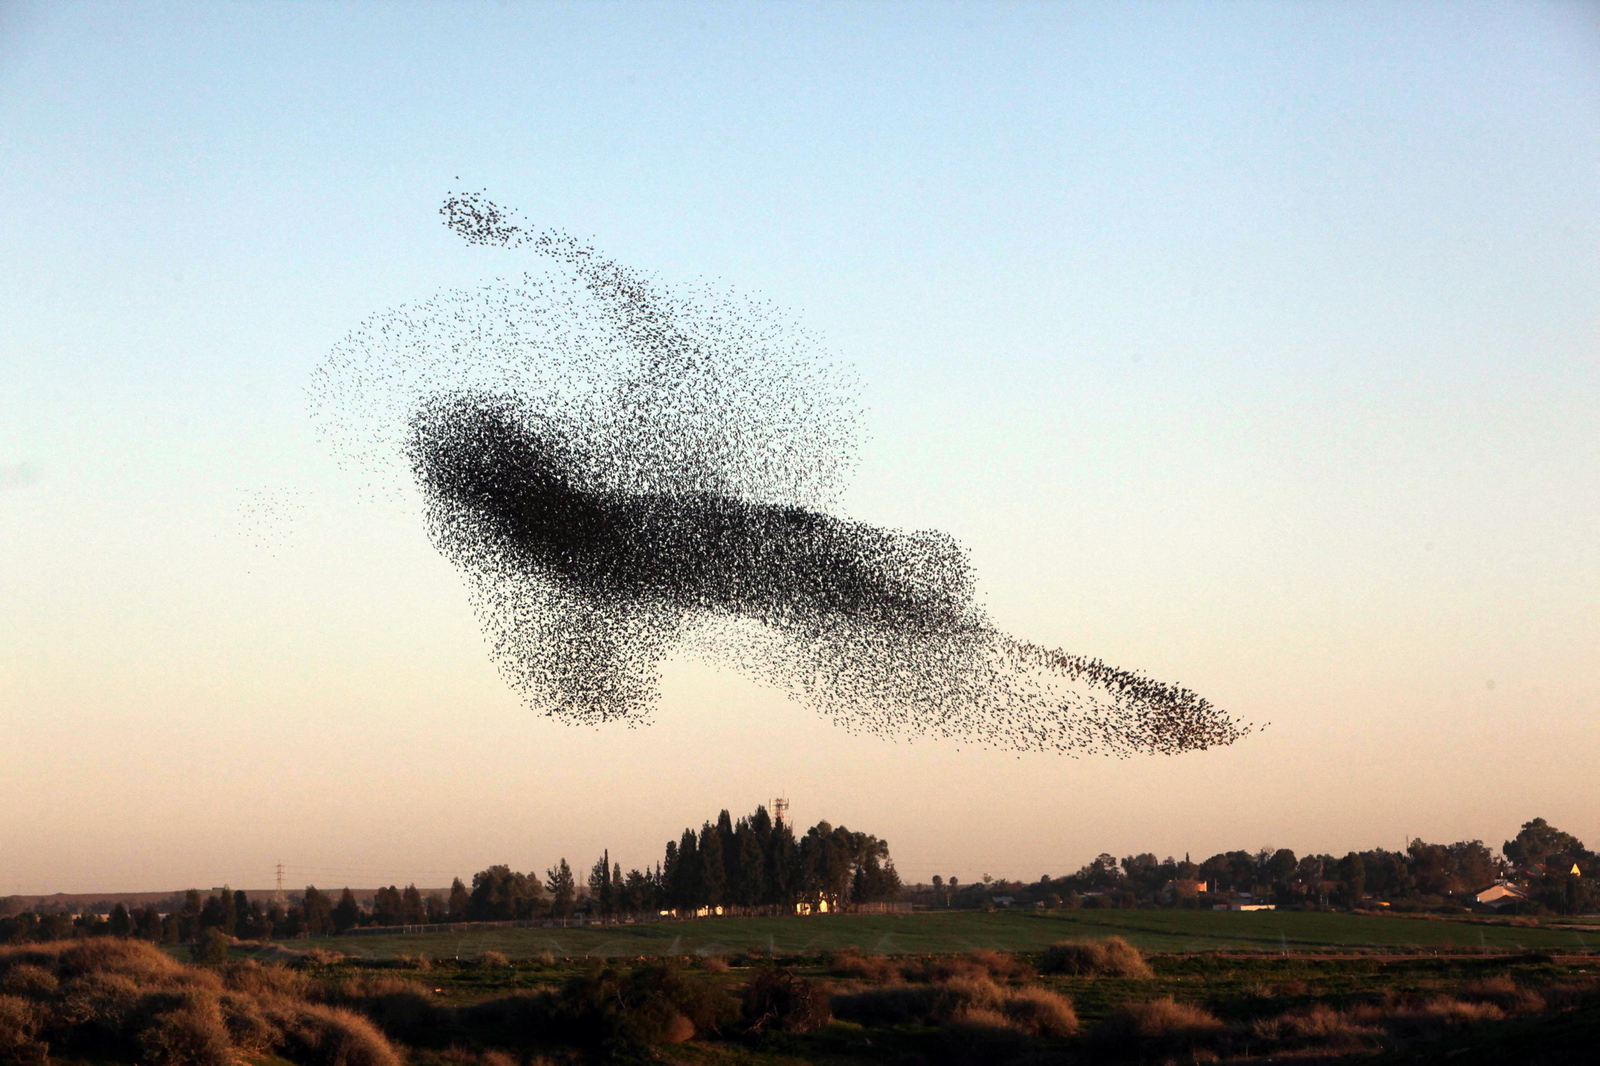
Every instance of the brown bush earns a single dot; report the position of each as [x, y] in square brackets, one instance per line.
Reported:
[995, 965]
[1317, 1027]
[422, 962]
[320, 957]
[781, 999]
[982, 1037]
[491, 960]
[1504, 993]
[874, 969]
[139, 960]
[193, 1034]
[714, 964]
[1109, 957]
[105, 1003]
[26, 979]
[1571, 995]
[1040, 1012]
[362, 986]
[929, 1003]
[247, 1024]
[1159, 1025]
[19, 1029]
[273, 979]
[329, 1036]
[1003, 966]
[1431, 1018]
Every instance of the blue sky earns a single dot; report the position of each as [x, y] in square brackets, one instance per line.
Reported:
[1250, 345]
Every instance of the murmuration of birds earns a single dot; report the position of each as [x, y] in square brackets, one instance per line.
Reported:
[624, 470]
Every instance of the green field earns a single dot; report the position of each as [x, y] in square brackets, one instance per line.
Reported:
[955, 931]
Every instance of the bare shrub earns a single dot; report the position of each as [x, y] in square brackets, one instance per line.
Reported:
[781, 999]
[930, 1003]
[492, 960]
[329, 1036]
[1002, 966]
[1159, 1025]
[979, 1036]
[193, 1034]
[1317, 1027]
[1040, 1012]
[1571, 995]
[362, 986]
[873, 969]
[26, 979]
[1108, 957]
[1431, 1018]
[421, 962]
[248, 1027]
[1504, 993]
[714, 964]
[320, 957]
[19, 1031]
[273, 979]
[105, 1003]
[138, 960]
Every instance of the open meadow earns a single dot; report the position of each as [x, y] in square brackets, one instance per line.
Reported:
[937, 932]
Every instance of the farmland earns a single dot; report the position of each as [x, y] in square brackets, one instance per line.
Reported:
[1163, 931]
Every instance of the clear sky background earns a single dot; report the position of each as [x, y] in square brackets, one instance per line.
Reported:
[1256, 347]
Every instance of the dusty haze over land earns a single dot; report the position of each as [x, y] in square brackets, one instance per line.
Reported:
[1255, 347]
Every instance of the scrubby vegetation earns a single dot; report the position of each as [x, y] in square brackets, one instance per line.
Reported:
[1111, 956]
[124, 1001]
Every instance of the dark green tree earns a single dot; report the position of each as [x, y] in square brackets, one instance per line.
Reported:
[460, 901]
[1538, 840]
[563, 888]
[713, 868]
[347, 912]
[316, 912]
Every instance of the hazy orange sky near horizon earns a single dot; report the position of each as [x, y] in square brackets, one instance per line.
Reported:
[1254, 347]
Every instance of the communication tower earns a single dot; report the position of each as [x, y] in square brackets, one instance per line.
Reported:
[780, 810]
[278, 896]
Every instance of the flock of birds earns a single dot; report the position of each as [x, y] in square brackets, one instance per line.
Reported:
[623, 470]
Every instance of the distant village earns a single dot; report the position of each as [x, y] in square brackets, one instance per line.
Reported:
[757, 865]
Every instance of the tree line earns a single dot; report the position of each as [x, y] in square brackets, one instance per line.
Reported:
[751, 863]
[1425, 876]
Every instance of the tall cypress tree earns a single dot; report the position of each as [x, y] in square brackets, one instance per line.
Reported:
[713, 867]
[752, 867]
[730, 856]
[686, 885]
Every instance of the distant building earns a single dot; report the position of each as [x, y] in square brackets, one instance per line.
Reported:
[1500, 894]
[1183, 888]
[1244, 901]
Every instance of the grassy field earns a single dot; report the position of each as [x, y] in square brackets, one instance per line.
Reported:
[956, 931]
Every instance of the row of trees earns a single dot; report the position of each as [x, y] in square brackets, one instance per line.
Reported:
[754, 862]
[1424, 875]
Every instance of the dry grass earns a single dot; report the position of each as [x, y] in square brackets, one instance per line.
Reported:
[1109, 957]
[127, 1000]
[968, 999]
[1040, 1012]
[1428, 1019]
[997, 966]
[1159, 1025]
[872, 969]
[1504, 993]
[1369, 1028]
[1317, 1027]
[493, 960]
